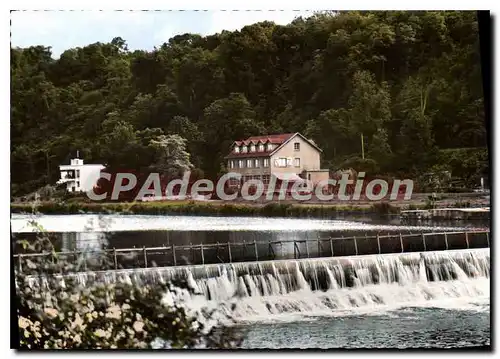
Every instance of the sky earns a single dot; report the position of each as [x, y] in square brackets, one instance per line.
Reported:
[143, 30]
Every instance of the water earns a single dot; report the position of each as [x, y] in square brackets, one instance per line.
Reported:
[409, 327]
[70, 232]
[122, 223]
[433, 299]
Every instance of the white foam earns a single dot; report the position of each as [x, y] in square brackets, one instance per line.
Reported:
[364, 285]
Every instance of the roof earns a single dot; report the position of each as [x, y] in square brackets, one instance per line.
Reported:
[276, 139]
[63, 167]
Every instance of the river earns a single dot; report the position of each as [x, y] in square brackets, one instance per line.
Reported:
[435, 299]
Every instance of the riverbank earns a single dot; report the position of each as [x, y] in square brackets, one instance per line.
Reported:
[208, 208]
[239, 208]
[462, 214]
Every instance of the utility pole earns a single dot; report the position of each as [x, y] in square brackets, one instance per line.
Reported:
[362, 147]
[47, 159]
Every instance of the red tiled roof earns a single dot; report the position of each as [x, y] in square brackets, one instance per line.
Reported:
[280, 138]
[273, 139]
[277, 139]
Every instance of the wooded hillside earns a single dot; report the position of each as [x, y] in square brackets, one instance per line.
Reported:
[410, 82]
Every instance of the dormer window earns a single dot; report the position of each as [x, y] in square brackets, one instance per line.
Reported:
[252, 148]
[244, 149]
[261, 147]
[269, 147]
[236, 149]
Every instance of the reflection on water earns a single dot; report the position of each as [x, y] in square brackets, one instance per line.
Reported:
[121, 223]
[81, 232]
[86, 241]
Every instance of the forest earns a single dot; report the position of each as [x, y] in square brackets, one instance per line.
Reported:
[409, 82]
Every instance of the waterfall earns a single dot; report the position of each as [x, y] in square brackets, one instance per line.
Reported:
[322, 286]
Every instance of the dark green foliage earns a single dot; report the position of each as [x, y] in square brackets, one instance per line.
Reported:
[197, 208]
[384, 208]
[55, 311]
[409, 82]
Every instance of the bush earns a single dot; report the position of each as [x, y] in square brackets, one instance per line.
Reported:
[412, 207]
[55, 311]
[272, 209]
[367, 165]
[384, 208]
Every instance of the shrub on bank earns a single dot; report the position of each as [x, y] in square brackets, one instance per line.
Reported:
[384, 208]
[56, 312]
[273, 209]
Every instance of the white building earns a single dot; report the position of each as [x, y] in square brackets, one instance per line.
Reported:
[79, 177]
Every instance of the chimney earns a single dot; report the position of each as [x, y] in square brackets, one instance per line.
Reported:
[77, 154]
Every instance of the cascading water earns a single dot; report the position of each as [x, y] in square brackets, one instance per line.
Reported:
[325, 286]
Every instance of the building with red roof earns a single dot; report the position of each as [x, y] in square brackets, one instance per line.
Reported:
[287, 156]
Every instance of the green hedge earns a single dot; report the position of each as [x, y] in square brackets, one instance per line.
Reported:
[197, 208]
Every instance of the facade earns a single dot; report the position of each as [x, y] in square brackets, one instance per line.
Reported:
[79, 177]
[290, 157]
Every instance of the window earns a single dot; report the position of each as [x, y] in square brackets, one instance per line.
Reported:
[265, 179]
[77, 184]
[296, 162]
[236, 149]
[266, 162]
[252, 148]
[244, 149]
[256, 177]
[261, 147]
[249, 163]
[289, 162]
[257, 163]
[269, 147]
[296, 146]
[234, 182]
[231, 164]
[247, 178]
[280, 162]
[309, 176]
[241, 163]
[77, 173]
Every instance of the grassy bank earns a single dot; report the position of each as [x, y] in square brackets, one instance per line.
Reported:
[211, 208]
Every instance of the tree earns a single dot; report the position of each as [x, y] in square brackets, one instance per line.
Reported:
[379, 149]
[332, 76]
[416, 149]
[172, 157]
[225, 120]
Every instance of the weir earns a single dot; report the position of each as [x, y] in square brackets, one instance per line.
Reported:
[234, 252]
[281, 277]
